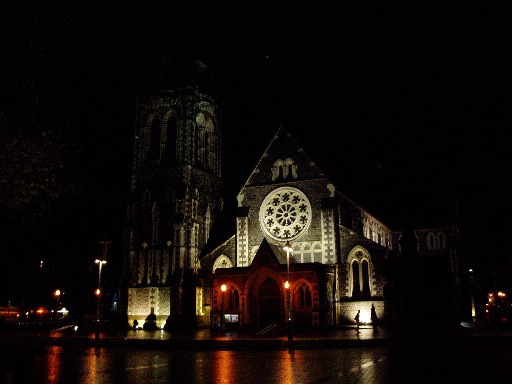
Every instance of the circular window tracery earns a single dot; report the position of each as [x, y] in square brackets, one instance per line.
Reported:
[285, 213]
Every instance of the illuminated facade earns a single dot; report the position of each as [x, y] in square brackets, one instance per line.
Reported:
[343, 259]
[176, 197]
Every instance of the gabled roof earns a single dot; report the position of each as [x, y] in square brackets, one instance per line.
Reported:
[269, 254]
[226, 248]
[283, 146]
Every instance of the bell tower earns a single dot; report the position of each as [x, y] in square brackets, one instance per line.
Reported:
[176, 195]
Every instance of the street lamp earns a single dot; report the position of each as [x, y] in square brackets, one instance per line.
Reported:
[223, 289]
[288, 248]
[98, 291]
[57, 296]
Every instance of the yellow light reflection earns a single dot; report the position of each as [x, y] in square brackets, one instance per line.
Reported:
[53, 364]
[223, 369]
[91, 364]
[285, 368]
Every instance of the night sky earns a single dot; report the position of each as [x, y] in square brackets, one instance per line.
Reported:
[406, 107]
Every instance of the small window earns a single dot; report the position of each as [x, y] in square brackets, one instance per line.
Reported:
[234, 298]
[441, 240]
[431, 242]
[304, 296]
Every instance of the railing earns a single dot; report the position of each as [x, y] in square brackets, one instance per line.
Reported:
[267, 329]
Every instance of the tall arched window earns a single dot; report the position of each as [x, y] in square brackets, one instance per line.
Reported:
[155, 137]
[172, 138]
[307, 256]
[360, 272]
[365, 279]
[304, 293]
[441, 240]
[234, 298]
[204, 132]
[356, 286]
[317, 252]
[206, 146]
[431, 244]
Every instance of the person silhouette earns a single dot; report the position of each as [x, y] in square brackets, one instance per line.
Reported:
[374, 317]
[356, 318]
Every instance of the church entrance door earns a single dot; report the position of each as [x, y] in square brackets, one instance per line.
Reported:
[269, 303]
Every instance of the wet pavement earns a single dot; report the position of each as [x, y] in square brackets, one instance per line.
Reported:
[337, 356]
[231, 340]
[461, 355]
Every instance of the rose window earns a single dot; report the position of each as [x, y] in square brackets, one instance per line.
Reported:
[285, 213]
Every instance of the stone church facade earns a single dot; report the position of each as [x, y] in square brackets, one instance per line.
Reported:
[340, 259]
[343, 259]
[338, 249]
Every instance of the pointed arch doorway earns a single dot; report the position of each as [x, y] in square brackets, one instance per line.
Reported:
[269, 303]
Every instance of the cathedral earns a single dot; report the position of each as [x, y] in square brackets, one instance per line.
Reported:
[303, 253]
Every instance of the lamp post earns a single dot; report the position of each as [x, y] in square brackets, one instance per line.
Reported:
[223, 289]
[57, 296]
[98, 291]
[288, 248]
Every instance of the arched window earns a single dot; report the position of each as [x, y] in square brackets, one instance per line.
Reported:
[441, 241]
[284, 169]
[365, 279]
[155, 137]
[307, 255]
[222, 262]
[304, 293]
[317, 252]
[172, 138]
[207, 223]
[431, 244]
[234, 298]
[360, 272]
[204, 142]
[356, 287]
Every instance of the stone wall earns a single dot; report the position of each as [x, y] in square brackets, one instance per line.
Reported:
[347, 311]
[141, 300]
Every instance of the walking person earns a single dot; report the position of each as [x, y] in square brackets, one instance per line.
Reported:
[356, 318]
[374, 318]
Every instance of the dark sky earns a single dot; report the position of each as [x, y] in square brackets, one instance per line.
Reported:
[402, 105]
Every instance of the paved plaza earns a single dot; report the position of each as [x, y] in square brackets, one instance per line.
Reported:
[337, 356]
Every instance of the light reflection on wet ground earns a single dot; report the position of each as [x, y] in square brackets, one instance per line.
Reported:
[348, 333]
[453, 363]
